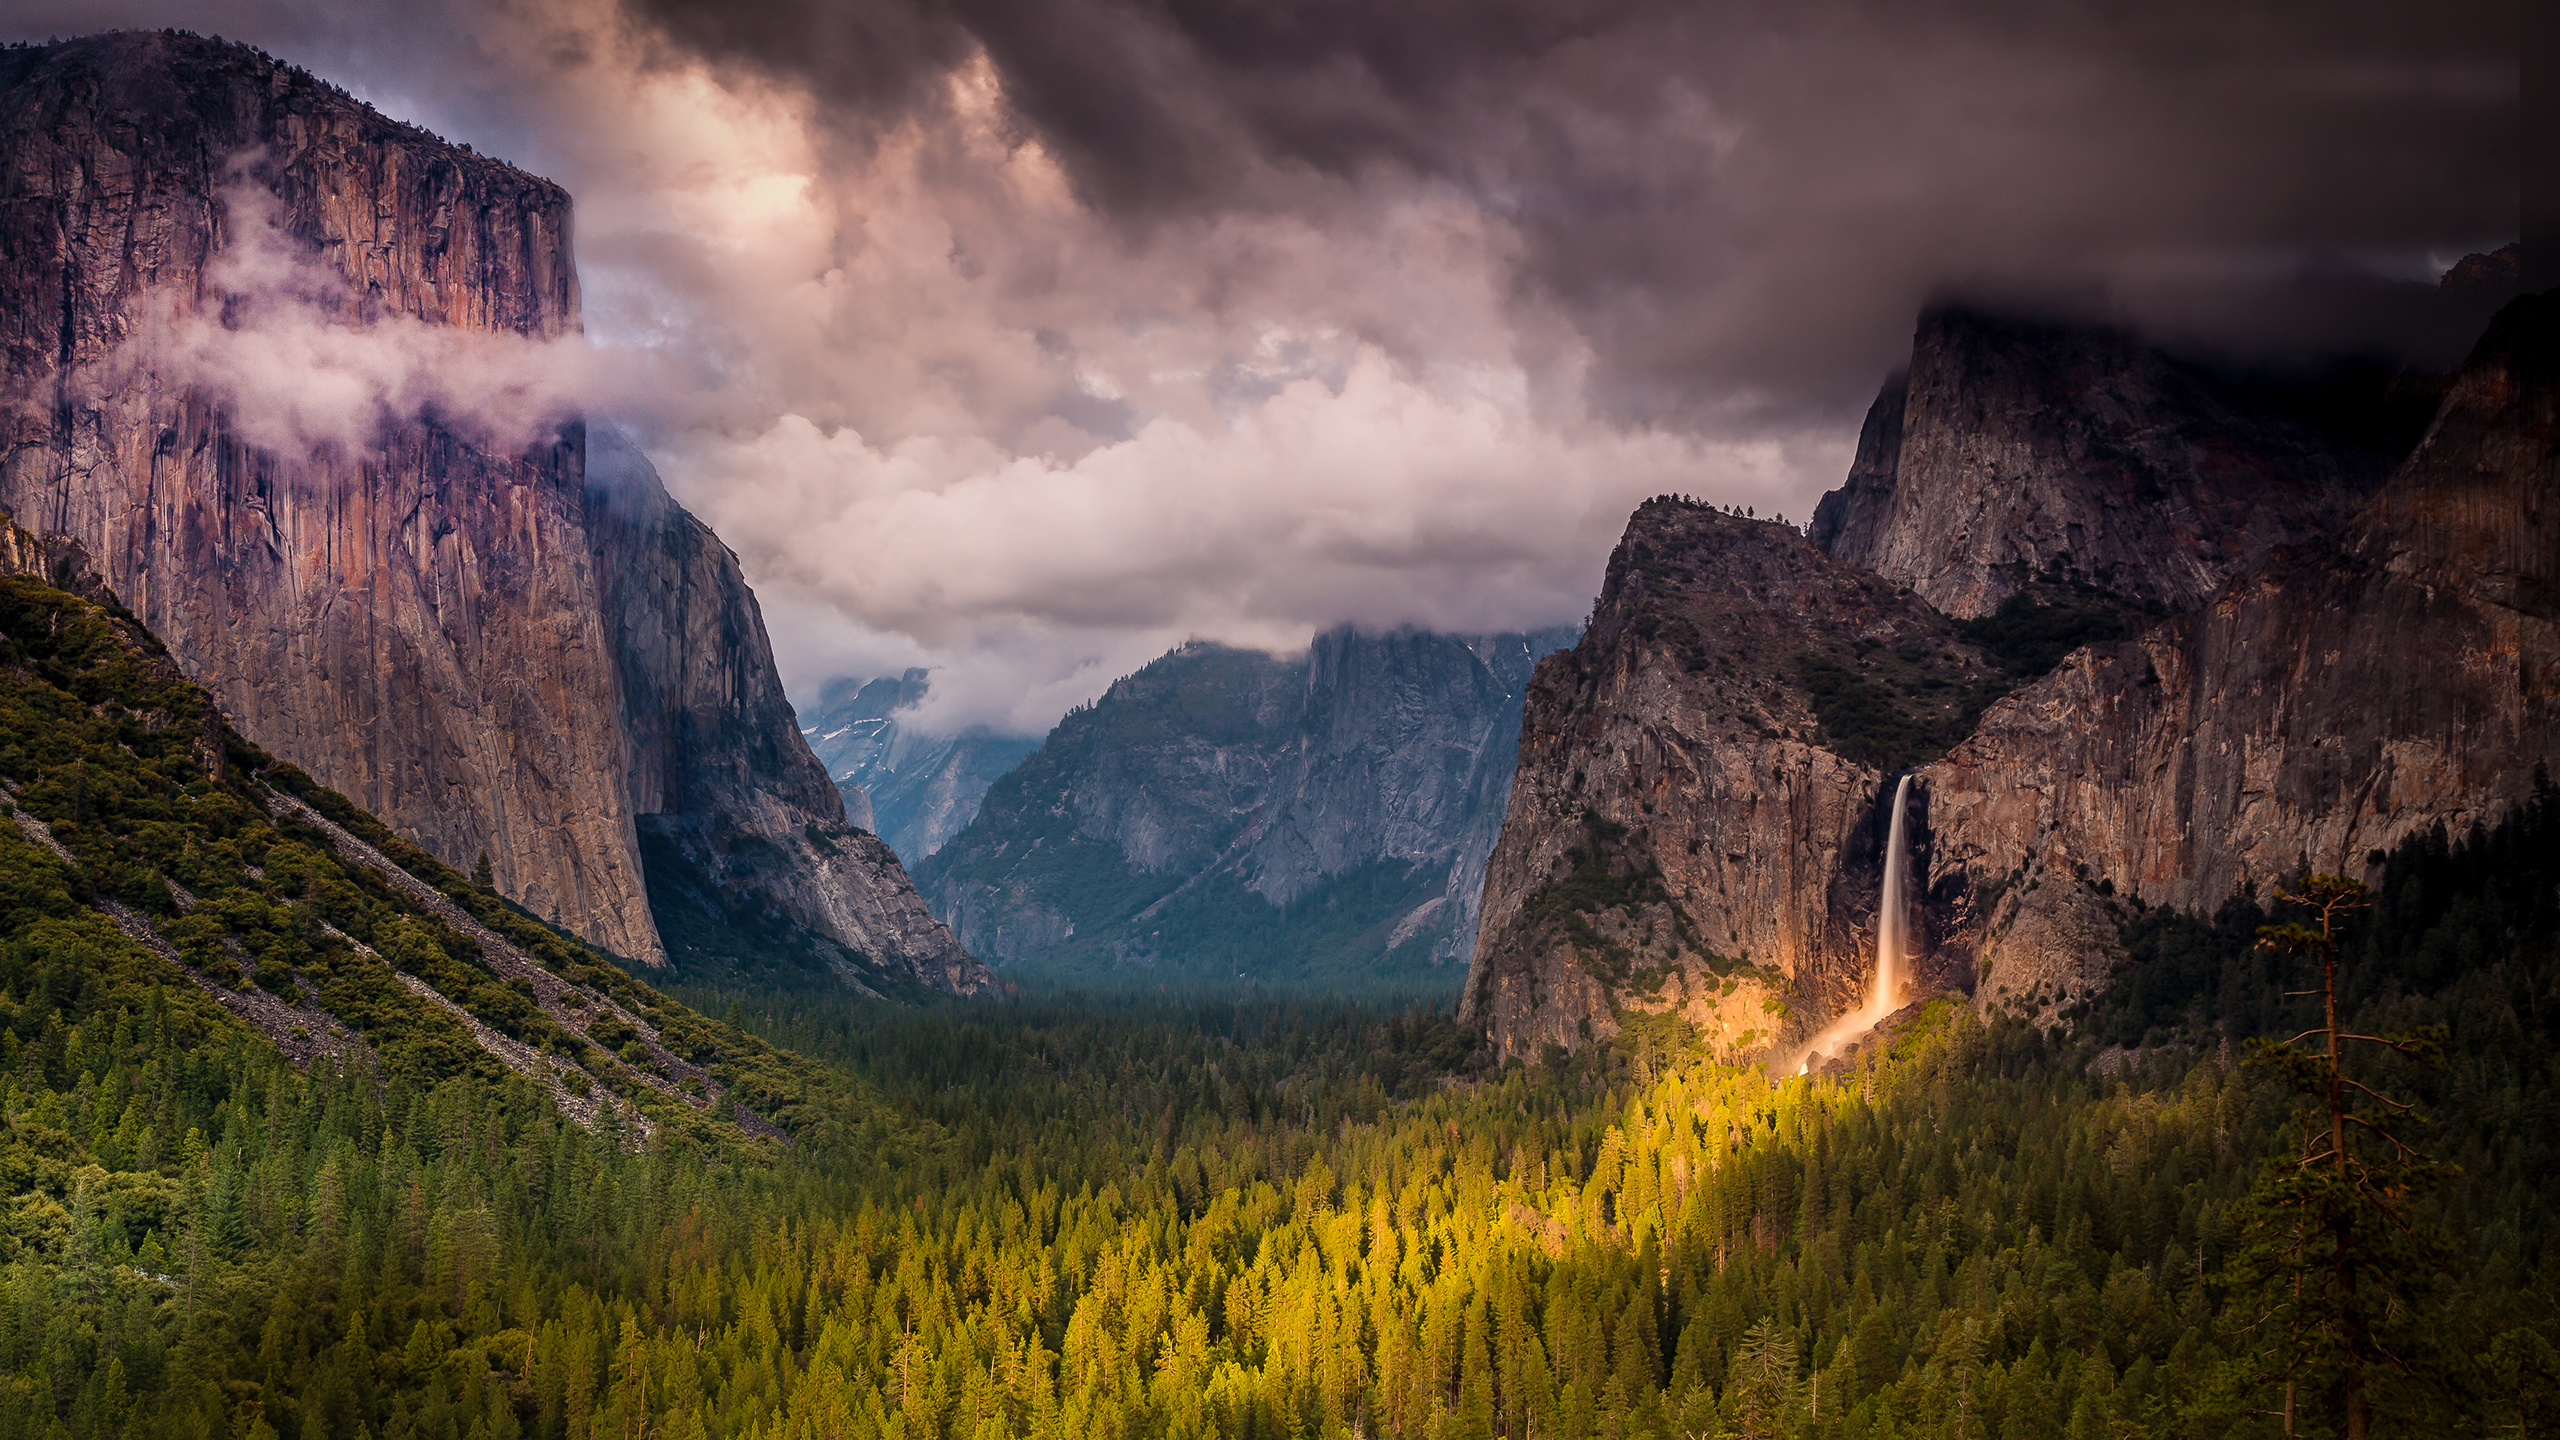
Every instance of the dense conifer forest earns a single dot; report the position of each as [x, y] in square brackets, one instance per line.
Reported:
[1104, 1217]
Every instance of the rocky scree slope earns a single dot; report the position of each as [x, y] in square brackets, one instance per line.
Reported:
[912, 788]
[442, 629]
[147, 845]
[2013, 451]
[1221, 811]
[1698, 818]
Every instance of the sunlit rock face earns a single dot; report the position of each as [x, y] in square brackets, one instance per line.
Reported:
[419, 618]
[1680, 836]
[1678, 798]
[2012, 449]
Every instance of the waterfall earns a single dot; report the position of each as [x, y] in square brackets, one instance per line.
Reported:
[1893, 913]
[1893, 947]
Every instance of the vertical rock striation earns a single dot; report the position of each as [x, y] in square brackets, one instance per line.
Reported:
[2319, 710]
[1687, 797]
[1405, 754]
[736, 816]
[420, 620]
[415, 625]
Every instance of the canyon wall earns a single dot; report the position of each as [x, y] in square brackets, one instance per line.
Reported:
[1704, 780]
[737, 818]
[2315, 712]
[1684, 833]
[1354, 790]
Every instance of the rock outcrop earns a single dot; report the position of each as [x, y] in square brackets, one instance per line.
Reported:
[2011, 450]
[737, 818]
[2315, 712]
[1355, 789]
[1681, 806]
[912, 787]
[1683, 833]
[419, 620]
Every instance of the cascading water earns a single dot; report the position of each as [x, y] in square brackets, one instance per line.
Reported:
[1893, 945]
[1893, 914]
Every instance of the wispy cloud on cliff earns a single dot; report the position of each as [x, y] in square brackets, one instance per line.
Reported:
[1020, 340]
[277, 336]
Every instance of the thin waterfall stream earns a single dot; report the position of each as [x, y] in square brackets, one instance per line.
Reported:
[1893, 913]
[1893, 945]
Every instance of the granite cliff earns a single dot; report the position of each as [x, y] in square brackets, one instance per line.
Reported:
[912, 787]
[1703, 780]
[1698, 818]
[740, 830]
[423, 620]
[1222, 811]
[2013, 450]
[2317, 711]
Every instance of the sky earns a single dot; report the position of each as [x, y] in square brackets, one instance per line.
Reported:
[1026, 340]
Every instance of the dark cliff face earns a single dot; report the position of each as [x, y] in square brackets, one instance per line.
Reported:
[1127, 799]
[1696, 824]
[913, 788]
[2315, 712]
[1177, 820]
[420, 621]
[738, 821]
[2334, 698]
[1405, 756]
[2012, 450]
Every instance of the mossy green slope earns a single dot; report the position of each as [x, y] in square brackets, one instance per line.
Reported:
[158, 862]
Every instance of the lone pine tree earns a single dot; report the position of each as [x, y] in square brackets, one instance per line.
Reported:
[2335, 1254]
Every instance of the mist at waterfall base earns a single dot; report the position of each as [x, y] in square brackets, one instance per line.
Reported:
[1893, 934]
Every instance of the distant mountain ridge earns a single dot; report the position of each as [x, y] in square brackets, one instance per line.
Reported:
[1224, 812]
[912, 788]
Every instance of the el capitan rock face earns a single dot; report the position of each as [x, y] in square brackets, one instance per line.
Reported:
[2011, 449]
[368, 615]
[2333, 697]
[421, 623]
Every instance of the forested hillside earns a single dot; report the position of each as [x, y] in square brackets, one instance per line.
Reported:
[284, 1159]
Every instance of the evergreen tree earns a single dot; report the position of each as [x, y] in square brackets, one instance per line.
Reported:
[1764, 1381]
[2336, 1251]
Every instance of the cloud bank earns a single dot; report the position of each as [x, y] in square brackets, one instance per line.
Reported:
[1024, 340]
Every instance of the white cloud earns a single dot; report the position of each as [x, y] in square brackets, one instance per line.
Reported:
[274, 335]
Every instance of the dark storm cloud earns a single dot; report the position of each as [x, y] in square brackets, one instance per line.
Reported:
[1747, 196]
[1023, 339]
